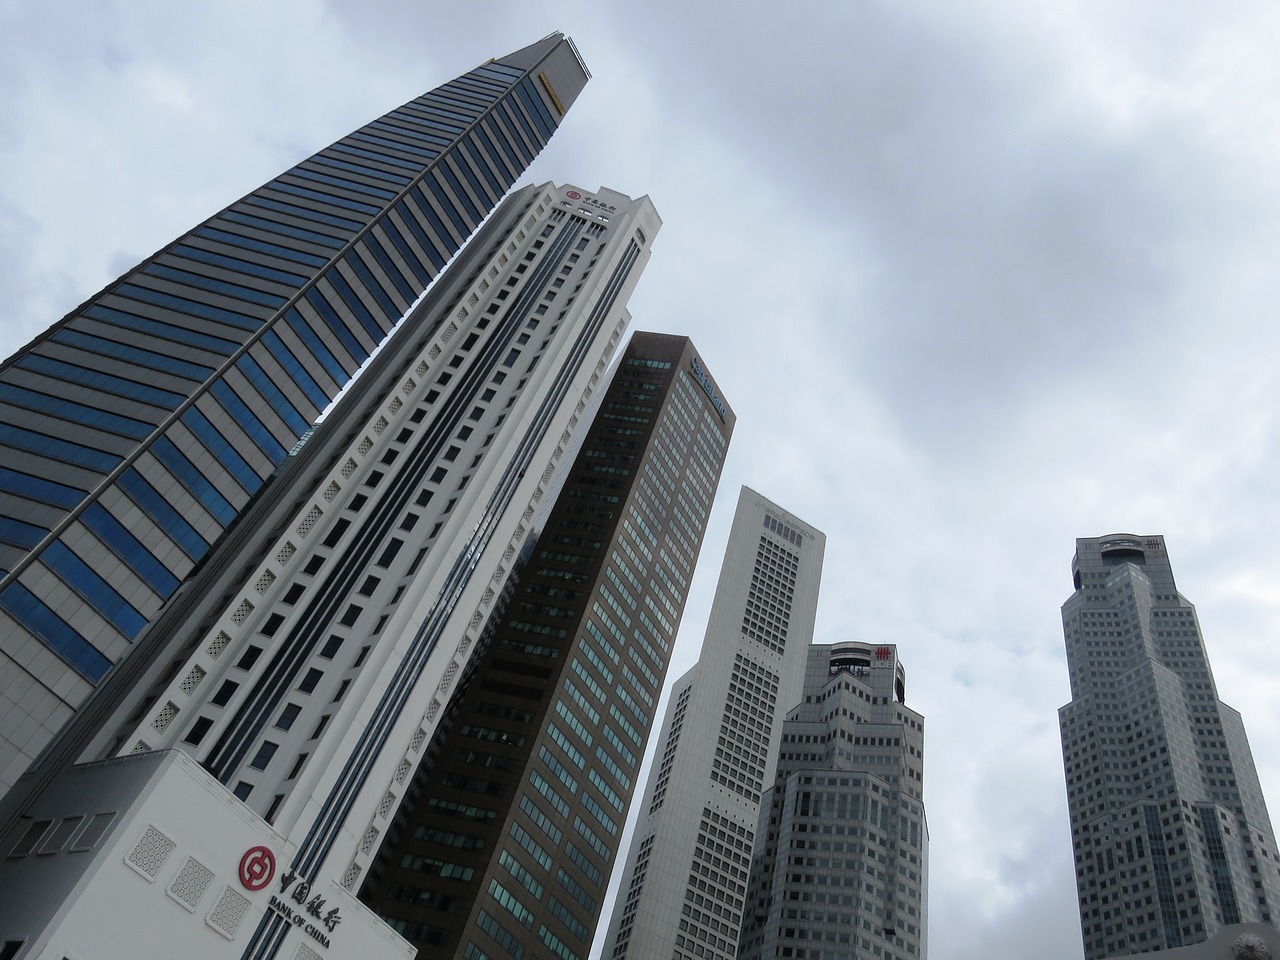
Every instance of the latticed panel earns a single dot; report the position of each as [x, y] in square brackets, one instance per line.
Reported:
[150, 852]
[140, 747]
[381, 425]
[434, 351]
[264, 581]
[432, 709]
[349, 468]
[164, 717]
[423, 367]
[332, 490]
[450, 672]
[365, 446]
[402, 771]
[449, 332]
[309, 521]
[370, 838]
[218, 644]
[242, 613]
[192, 679]
[285, 553]
[306, 953]
[227, 913]
[409, 386]
[385, 806]
[419, 738]
[191, 883]
[349, 879]
[395, 404]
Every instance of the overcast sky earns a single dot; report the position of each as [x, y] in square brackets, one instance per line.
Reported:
[978, 277]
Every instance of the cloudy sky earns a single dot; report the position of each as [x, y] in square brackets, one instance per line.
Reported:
[978, 276]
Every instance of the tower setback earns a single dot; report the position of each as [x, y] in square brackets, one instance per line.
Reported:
[841, 862]
[1170, 830]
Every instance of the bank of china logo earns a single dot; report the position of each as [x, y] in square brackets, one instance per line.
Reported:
[257, 867]
[573, 194]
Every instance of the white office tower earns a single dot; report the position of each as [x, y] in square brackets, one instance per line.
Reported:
[841, 864]
[305, 667]
[683, 892]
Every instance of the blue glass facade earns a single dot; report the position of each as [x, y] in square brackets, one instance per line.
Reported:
[137, 429]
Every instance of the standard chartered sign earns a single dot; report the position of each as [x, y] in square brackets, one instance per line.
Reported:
[709, 388]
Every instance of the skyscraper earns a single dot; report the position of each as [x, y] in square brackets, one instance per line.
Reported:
[513, 820]
[306, 664]
[1171, 834]
[136, 430]
[841, 862]
[683, 892]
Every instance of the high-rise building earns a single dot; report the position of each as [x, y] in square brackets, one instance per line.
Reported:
[136, 430]
[841, 862]
[684, 888]
[1171, 834]
[305, 665]
[512, 822]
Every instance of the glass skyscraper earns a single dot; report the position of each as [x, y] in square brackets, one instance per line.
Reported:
[1170, 830]
[134, 432]
[513, 820]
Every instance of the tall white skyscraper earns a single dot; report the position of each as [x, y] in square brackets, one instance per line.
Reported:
[306, 665]
[684, 887]
[841, 863]
[1171, 833]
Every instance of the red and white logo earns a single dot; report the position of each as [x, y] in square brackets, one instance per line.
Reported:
[884, 653]
[257, 867]
[573, 194]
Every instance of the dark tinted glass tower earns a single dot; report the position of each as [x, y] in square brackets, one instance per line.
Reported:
[136, 430]
[513, 821]
[1171, 833]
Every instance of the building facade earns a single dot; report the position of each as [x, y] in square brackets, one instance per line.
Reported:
[306, 664]
[841, 863]
[684, 887]
[512, 823]
[1170, 830]
[135, 431]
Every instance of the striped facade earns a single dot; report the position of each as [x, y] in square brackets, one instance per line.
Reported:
[137, 430]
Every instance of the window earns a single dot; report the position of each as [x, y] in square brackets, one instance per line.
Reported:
[310, 680]
[293, 595]
[264, 755]
[223, 696]
[331, 647]
[198, 730]
[249, 658]
[243, 790]
[288, 715]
